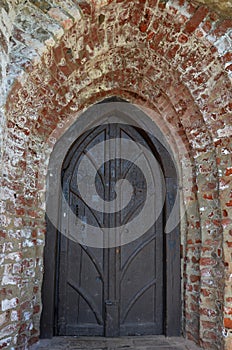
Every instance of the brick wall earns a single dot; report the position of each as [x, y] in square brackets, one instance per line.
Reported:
[58, 59]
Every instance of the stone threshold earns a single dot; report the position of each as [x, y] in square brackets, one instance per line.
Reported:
[122, 343]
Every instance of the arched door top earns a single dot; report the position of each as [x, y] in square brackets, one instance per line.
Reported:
[110, 124]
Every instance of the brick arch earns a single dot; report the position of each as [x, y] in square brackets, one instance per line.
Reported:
[138, 60]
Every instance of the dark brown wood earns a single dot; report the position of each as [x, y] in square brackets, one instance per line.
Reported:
[122, 294]
[48, 286]
[173, 286]
[128, 290]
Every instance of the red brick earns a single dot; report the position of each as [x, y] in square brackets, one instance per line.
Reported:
[227, 57]
[226, 222]
[23, 327]
[20, 211]
[228, 172]
[33, 340]
[229, 68]
[194, 278]
[156, 24]
[208, 196]
[135, 17]
[156, 40]
[223, 27]
[228, 310]
[207, 26]
[162, 5]
[2, 234]
[207, 261]
[191, 8]
[85, 7]
[219, 252]
[228, 323]
[196, 19]
[36, 309]
[152, 3]
[210, 335]
[195, 260]
[194, 307]
[208, 312]
[217, 222]
[206, 293]
[183, 38]
[213, 16]
[211, 185]
[35, 289]
[143, 27]
[172, 52]
[150, 36]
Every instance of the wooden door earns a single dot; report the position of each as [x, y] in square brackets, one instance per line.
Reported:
[109, 291]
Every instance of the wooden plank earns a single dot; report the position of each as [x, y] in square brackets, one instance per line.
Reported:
[173, 286]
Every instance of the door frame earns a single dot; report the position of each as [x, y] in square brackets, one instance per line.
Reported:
[171, 268]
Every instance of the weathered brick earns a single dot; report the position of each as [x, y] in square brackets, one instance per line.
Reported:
[152, 61]
[223, 27]
[196, 19]
[228, 323]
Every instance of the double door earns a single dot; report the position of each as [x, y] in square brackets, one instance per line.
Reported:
[115, 290]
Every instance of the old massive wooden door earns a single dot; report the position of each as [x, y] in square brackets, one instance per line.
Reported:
[109, 291]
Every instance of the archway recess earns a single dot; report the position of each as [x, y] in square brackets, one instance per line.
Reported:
[118, 119]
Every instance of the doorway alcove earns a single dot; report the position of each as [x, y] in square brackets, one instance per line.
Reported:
[73, 303]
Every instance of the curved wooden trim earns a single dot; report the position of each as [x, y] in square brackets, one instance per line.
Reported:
[136, 297]
[91, 303]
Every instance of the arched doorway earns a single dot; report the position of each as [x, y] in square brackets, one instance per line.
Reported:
[128, 287]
